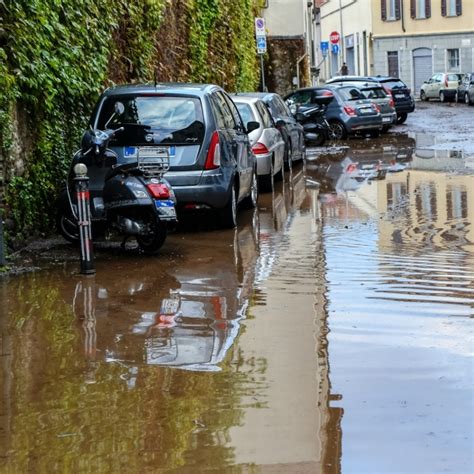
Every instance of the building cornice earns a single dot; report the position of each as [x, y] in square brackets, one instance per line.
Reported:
[417, 35]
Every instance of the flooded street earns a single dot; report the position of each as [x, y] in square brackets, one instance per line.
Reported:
[331, 332]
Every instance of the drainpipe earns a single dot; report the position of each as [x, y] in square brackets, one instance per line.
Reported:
[298, 68]
[342, 33]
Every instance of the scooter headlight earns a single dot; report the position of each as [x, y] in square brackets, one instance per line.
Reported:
[140, 194]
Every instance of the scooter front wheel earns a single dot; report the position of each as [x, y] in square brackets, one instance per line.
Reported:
[151, 242]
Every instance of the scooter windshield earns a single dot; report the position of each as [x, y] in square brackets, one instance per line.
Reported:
[154, 119]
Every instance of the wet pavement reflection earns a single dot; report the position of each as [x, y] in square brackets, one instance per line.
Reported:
[331, 332]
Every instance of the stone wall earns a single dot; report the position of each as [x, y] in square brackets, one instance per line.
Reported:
[280, 67]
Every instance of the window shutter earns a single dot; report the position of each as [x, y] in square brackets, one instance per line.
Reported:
[397, 9]
[383, 9]
[458, 7]
[443, 8]
[428, 9]
[413, 8]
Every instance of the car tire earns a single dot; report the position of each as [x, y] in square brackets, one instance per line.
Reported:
[337, 130]
[442, 96]
[250, 201]
[456, 97]
[228, 214]
[423, 97]
[401, 118]
[467, 99]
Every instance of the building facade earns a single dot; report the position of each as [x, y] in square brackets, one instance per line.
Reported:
[352, 20]
[414, 39]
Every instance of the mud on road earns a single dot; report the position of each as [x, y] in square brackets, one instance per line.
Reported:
[330, 332]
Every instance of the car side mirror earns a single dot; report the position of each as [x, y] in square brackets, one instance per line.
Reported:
[426, 82]
[251, 126]
[119, 108]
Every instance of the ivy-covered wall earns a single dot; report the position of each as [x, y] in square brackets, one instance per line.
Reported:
[56, 56]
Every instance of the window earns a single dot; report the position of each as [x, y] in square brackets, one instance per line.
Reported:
[266, 117]
[390, 10]
[245, 112]
[420, 9]
[453, 59]
[392, 59]
[451, 7]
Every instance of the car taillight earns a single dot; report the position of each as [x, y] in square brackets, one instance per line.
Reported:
[446, 82]
[159, 190]
[213, 159]
[351, 167]
[391, 102]
[388, 91]
[350, 110]
[376, 107]
[260, 149]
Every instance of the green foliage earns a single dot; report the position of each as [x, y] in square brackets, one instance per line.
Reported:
[57, 55]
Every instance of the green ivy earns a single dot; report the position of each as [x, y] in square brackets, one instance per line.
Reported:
[56, 56]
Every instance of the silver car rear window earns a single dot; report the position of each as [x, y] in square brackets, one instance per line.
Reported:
[245, 112]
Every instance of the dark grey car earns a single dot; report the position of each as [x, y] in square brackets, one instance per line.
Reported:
[348, 113]
[211, 163]
[465, 92]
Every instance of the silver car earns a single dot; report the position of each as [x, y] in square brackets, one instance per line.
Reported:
[266, 141]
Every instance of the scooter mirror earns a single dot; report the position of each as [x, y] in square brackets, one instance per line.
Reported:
[119, 108]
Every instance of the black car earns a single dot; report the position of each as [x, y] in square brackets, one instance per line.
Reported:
[401, 94]
[211, 162]
[463, 94]
[290, 129]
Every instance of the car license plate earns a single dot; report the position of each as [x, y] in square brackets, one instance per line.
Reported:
[152, 152]
[399, 96]
[365, 111]
[386, 119]
[169, 306]
[166, 209]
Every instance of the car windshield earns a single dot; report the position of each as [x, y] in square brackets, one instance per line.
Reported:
[374, 93]
[350, 93]
[394, 84]
[245, 112]
[171, 119]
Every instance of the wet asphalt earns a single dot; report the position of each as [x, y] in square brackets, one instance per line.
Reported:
[330, 332]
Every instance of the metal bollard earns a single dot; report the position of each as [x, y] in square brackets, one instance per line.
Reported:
[2, 241]
[84, 219]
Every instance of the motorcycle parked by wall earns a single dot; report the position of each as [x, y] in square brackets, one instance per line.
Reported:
[129, 197]
[315, 126]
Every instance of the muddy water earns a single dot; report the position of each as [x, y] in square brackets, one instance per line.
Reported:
[332, 332]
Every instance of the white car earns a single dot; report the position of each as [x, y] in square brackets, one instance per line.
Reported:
[442, 86]
[266, 141]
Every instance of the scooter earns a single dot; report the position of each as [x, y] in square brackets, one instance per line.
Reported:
[130, 197]
[315, 126]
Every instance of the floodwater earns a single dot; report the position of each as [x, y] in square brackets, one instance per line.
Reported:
[331, 332]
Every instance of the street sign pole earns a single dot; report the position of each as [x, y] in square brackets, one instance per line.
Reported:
[262, 72]
[261, 39]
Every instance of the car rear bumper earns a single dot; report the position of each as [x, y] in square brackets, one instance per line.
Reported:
[354, 124]
[449, 93]
[405, 107]
[212, 191]
[389, 118]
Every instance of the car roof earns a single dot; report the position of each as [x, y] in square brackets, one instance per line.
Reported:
[356, 84]
[245, 99]
[160, 87]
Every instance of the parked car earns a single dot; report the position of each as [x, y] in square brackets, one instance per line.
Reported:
[377, 94]
[401, 94]
[465, 90]
[348, 113]
[266, 141]
[290, 129]
[442, 86]
[212, 165]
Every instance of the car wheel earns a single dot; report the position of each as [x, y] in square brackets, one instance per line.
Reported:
[337, 130]
[266, 180]
[251, 200]
[423, 97]
[456, 97]
[228, 214]
[401, 118]
[442, 97]
[467, 99]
